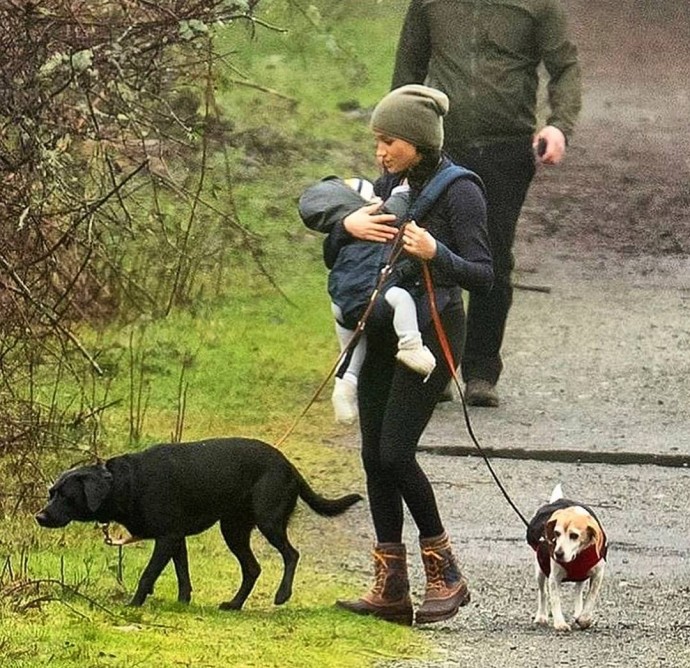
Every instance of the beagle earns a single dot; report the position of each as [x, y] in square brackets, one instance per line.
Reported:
[570, 546]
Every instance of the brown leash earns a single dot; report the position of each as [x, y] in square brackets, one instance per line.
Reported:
[393, 256]
[396, 250]
[452, 366]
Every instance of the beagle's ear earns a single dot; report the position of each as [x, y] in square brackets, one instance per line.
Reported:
[551, 524]
[593, 533]
[549, 528]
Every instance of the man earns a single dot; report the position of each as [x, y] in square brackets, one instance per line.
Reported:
[486, 55]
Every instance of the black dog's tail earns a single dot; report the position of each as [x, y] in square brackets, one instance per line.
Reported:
[322, 505]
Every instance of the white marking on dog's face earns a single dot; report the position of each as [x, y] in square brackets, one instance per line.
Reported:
[570, 531]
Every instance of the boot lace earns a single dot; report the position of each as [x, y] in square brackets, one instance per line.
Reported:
[380, 574]
[435, 568]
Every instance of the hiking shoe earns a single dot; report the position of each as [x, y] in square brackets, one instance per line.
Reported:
[446, 587]
[480, 392]
[344, 400]
[389, 597]
[420, 359]
[450, 393]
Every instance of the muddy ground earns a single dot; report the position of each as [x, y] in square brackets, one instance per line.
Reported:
[599, 363]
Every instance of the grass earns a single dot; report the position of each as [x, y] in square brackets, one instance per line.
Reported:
[245, 363]
[84, 623]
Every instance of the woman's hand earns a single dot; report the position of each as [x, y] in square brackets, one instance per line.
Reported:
[418, 241]
[368, 225]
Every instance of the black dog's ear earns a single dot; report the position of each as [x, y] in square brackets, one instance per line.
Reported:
[97, 487]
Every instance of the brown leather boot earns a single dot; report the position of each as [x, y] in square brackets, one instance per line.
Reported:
[446, 587]
[389, 597]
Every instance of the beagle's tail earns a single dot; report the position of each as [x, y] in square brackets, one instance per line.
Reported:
[557, 493]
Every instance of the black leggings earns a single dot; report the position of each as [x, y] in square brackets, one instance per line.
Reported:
[395, 406]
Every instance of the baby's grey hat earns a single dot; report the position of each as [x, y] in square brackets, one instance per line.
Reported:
[413, 113]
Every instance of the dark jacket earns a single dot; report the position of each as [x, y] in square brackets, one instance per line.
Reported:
[485, 57]
[457, 220]
[356, 269]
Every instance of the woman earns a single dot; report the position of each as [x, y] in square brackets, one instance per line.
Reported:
[395, 403]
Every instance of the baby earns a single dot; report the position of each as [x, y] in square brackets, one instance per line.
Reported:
[353, 278]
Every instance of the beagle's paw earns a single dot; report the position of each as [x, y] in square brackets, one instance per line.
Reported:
[584, 621]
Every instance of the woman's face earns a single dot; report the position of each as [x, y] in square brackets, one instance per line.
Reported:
[395, 155]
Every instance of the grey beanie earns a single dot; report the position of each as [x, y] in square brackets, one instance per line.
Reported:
[413, 113]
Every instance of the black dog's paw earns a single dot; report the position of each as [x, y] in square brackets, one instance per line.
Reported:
[282, 597]
[140, 597]
[231, 605]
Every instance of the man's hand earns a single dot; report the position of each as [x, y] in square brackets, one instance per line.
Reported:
[553, 142]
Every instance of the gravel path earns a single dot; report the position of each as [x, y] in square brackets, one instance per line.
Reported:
[598, 399]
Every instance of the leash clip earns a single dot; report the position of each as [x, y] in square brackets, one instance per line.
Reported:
[105, 530]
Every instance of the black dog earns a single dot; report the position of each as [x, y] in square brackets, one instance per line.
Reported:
[171, 491]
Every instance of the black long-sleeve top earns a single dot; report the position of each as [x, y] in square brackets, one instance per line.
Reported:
[457, 220]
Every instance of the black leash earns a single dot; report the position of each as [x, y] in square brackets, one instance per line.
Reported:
[448, 354]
